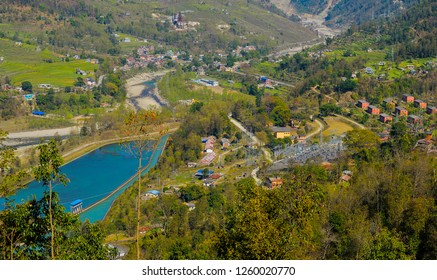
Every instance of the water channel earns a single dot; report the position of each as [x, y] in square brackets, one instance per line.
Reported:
[96, 178]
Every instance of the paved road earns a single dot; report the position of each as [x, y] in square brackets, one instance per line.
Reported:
[45, 133]
[321, 126]
[99, 82]
[266, 152]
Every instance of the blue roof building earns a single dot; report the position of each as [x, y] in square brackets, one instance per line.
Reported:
[38, 113]
[76, 206]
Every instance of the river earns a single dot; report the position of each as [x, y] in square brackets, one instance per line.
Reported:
[96, 178]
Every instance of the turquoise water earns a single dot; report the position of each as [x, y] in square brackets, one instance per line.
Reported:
[94, 177]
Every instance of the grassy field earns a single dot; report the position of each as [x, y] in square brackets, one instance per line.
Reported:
[27, 63]
[336, 127]
[31, 122]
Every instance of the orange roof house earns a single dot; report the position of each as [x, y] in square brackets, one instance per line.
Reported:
[385, 118]
[274, 182]
[407, 98]
[363, 104]
[373, 110]
[420, 104]
[401, 111]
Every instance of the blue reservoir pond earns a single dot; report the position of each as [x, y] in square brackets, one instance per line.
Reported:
[102, 174]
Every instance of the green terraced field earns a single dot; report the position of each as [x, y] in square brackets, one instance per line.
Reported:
[26, 63]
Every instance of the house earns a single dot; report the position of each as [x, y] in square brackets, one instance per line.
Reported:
[419, 104]
[373, 110]
[225, 143]
[215, 176]
[191, 206]
[144, 229]
[384, 136]
[201, 173]
[209, 82]
[431, 110]
[207, 159]
[251, 145]
[400, 111]
[201, 71]
[5, 87]
[209, 144]
[90, 82]
[345, 178]
[192, 164]
[76, 206]
[369, 71]
[29, 96]
[281, 132]
[38, 113]
[385, 118]
[80, 72]
[363, 104]
[407, 98]
[208, 183]
[274, 182]
[414, 119]
[326, 165]
[44, 86]
[151, 194]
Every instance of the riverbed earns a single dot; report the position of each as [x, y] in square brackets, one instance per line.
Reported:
[142, 92]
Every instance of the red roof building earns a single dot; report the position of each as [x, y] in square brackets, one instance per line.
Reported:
[363, 104]
[431, 110]
[407, 98]
[274, 182]
[414, 119]
[373, 110]
[400, 111]
[385, 118]
[420, 104]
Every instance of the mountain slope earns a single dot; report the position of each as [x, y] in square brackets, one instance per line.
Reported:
[346, 12]
[91, 24]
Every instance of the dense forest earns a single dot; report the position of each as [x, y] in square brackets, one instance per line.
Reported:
[363, 11]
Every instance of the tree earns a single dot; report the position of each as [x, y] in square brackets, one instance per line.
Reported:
[362, 143]
[328, 108]
[230, 60]
[138, 126]
[26, 86]
[281, 115]
[24, 233]
[49, 172]
[10, 179]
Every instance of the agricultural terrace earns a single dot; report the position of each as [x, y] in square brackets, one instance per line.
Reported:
[23, 62]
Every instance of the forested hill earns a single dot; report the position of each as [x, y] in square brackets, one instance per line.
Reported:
[361, 11]
[412, 32]
[205, 24]
[347, 12]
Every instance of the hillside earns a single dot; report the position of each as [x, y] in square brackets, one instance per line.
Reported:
[343, 13]
[92, 25]
[361, 11]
